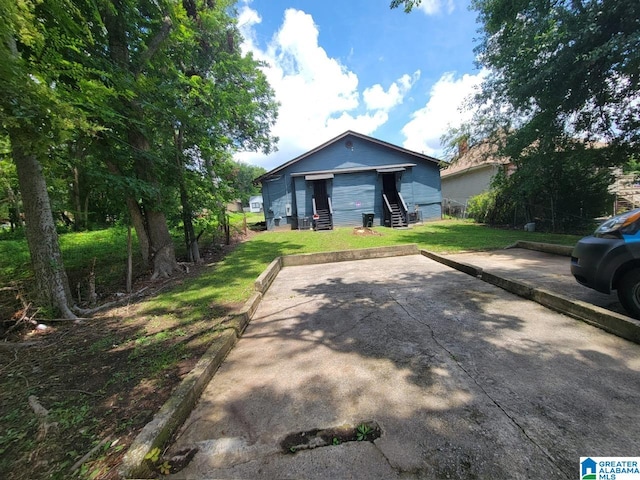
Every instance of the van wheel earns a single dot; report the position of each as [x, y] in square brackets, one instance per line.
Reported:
[629, 292]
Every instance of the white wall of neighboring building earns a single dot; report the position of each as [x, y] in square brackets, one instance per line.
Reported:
[255, 204]
[458, 188]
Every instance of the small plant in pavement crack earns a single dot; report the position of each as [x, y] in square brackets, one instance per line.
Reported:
[154, 457]
[362, 431]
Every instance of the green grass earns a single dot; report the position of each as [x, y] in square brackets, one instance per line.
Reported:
[108, 248]
[231, 281]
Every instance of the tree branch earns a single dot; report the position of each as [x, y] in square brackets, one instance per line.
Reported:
[155, 43]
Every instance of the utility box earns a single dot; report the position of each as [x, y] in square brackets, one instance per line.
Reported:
[367, 219]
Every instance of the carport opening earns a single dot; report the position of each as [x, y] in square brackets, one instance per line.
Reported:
[362, 432]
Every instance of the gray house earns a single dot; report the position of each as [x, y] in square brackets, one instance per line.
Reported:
[352, 180]
[469, 175]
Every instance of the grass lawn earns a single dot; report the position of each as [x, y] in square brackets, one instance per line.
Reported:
[102, 380]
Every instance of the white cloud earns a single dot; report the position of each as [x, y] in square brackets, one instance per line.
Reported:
[442, 111]
[319, 96]
[375, 98]
[432, 7]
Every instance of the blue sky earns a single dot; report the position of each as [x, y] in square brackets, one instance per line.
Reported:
[357, 65]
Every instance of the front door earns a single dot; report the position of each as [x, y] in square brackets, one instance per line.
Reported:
[389, 186]
[320, 194]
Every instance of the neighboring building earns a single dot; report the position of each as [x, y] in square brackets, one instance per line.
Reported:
[349, 180]
[235, 206]
[255, 204]
[626, 191]
[469, 175]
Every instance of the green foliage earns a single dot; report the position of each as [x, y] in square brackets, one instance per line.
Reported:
[632, 166]
[574, 117]
[362, 431]
[153, 455]
[243, 181]
[580, 60]
[480, 206]
[562, 190]
[407, 5]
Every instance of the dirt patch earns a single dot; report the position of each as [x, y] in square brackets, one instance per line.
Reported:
[73, 396]
[365, 231]
[363, 432]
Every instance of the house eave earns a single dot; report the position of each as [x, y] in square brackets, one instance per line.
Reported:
[276, 170]
[339, 171]
[445, 174]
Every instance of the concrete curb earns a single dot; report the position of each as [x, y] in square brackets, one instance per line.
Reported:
[563, 250]
[175, 410]
[463, 267]
[347, 255]
[178, 407]
[612, 322]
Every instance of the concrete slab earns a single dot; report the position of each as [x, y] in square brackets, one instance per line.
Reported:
[465, 380]
[543, 270]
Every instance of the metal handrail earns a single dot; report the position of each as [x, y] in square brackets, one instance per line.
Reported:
[404, 205]
[330, 206]
[386, 201]
[313, 200]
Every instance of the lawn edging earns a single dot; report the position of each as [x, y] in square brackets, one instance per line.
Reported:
[177, 408]
[553, 248]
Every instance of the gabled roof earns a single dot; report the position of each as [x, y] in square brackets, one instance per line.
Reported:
[479, 156]
[337, 139]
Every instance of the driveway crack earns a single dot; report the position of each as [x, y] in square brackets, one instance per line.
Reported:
[453, 357]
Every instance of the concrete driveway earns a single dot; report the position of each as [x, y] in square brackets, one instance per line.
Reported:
[463, 379]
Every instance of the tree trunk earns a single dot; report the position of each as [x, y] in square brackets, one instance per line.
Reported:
[85, 212]
[77, 205]
[163, 257]
[193, 251]
[149, 222]
[138, 220]
[190, 240]
[51, 283]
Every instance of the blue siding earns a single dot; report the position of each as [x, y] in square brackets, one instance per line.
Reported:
[352, 193]
[363, 154]
[277, 195]
[302, 193]
[420, 189]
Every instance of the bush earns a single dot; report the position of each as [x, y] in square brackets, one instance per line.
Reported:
[479, 206]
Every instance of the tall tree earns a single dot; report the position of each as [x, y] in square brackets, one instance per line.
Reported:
[136, 33]
[562, 96]
[564, 85]
[224, 103]
[574, 63]
[36, 112]
[182, 86]
[244, 177]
